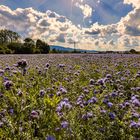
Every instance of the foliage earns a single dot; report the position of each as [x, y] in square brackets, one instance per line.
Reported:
[10, 43]
[133, 51]
[42, 46]
[7, 36]
[66, 97]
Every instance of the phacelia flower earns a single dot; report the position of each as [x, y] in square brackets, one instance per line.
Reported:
[8, 84]
[64, 124]
[109, 104]
[50, 138]
[112, 115]
[35, 114]
[22, 63]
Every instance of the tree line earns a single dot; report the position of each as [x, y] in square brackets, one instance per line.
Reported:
[11, 43]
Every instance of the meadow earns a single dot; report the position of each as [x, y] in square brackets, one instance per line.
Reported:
[70, 97]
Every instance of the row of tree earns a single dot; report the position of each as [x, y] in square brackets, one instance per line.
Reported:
[11, 43]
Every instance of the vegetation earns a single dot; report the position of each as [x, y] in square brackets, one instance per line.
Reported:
[10, 43]
[70, 97]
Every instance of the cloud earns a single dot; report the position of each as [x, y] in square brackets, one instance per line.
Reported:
[37, 24]
[126, 42]
[86, 9]
[102, 11]
[135, 3]
[61, 38]
[130, 24]
[59, 29]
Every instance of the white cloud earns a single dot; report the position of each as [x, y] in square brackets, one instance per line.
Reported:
[131, 23]
[55, 28]
[86, 9]
[135, 3]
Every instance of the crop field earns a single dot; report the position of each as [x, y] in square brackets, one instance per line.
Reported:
[70, 97]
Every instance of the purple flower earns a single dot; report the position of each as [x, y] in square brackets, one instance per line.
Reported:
[22, 63]
[133, 124]
[11, 111]
[19, 93]
[103, 111]
[114, 94]
[133, 97]
[64, 124]
[96, 91]
[7, 68]
[126, 104]
[63, 104]
[51, 95]
[121, 106]
[91, 82]
[1, 72]
[112, 115]
[136, 102]
[137, 75]
[84, 117]
[57, 129]
[109, 104]
[86, 91]
[58, 93]
[100, 81]
[35, 114]
[47, 65]
[89, 114]
[61, 65]
[8, 84]
[63, 90]
[138, 89]
[108, 76]
[50, 138]
[92, 100]
[85, 103]
[42, 93]
[105, 101]
[136, 115]
[6, 79]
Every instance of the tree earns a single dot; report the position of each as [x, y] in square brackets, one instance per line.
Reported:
[15, 47]
[8, 36]
[28, 46]
[42, 46]
[133, 51]
[29, 40]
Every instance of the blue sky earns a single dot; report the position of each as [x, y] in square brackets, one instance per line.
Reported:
[93, 24]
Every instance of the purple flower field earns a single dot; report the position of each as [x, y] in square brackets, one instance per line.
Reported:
[70, 97]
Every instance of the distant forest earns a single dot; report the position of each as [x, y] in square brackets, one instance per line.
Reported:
[11, 43]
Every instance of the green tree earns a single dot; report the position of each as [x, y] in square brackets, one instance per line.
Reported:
[42, 46]
[28, 46]
[16, 47]
[133, 51]
[8, 36]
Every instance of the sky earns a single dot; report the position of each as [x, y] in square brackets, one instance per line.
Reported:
[92, 24]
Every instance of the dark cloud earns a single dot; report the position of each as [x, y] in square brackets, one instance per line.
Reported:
[132, 30]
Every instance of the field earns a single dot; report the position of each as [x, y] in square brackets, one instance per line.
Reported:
[70, 97]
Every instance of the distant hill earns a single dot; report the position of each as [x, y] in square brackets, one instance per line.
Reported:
[61, 48]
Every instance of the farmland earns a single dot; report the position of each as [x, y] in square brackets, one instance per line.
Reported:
[70, 96]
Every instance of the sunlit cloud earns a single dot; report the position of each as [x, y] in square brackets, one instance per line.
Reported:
[77, 21]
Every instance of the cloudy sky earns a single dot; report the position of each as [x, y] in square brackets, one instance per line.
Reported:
[93, 24]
